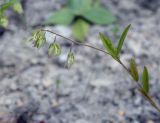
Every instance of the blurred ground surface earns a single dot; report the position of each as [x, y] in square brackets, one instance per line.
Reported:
[96, 89]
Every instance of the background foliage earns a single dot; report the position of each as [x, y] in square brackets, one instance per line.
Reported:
[80, 13]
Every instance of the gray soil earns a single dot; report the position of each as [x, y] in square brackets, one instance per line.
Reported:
[95, 89]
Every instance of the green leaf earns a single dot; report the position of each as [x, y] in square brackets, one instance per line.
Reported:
[122, 38]
[38, 37]
[145, 80]
[99, 15]
[134, 70]
[63, 16]
[115, 29]
[96, 3]
[54, 49]
[79, 6]
[80, 29]
[17, 7]
[70, 59]
[6, 5]
[3, 21]
[107, 43]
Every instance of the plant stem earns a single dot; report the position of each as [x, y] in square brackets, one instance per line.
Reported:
[120, 62]
[140, 88]
[75, 42]
[149, 99]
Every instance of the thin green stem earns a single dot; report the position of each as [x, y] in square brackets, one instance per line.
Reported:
[140, 88]
[150, 100]
[146, 95]
[120, 62]
[75, 42]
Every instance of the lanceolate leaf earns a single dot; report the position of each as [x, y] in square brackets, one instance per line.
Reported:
[107, 43]
[99, 15]
[134, 70]
[80, 30]
[64, 17]
[145, 80]
[122, 38]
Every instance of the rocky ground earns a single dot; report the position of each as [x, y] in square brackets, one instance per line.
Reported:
[96, 89]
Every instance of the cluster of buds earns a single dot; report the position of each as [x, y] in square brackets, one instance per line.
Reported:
[54, 48]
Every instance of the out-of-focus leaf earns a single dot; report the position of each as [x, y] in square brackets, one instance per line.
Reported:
[38, 38]
[122, 38]
[99, 15]
[54, 49]
[79, 6]
[3, 21]
[17, 7]
[80, 30]
[145, 80]
[7, 4]
[115, 29]
[96, 3]
[70, 59]
[107, 43]
[64, 17]
[134, 70]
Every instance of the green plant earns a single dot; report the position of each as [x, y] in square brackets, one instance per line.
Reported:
[142, 85]
[79, 13]
[114, 52]
[15, 5]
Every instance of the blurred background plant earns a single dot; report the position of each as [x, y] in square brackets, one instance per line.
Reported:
[5, 5]
[80, 14]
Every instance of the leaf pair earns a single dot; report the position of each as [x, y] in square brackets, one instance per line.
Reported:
[135, 75]
[93, 13]
[107, 43]
[115, 52]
